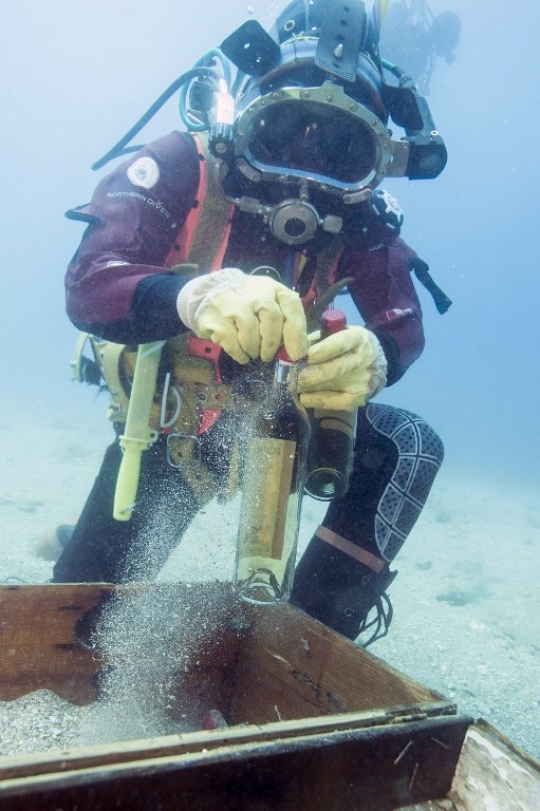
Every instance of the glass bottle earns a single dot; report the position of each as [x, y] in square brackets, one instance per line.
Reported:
[331, 447]
[274, 475]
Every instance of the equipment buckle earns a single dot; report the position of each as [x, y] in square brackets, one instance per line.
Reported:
[182, 448]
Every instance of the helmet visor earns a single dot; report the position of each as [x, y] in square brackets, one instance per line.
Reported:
[313, 139]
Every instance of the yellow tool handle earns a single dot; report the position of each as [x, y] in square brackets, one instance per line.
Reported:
[127, 482]
[137, 436]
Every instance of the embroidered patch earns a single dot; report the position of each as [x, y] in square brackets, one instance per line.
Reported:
[144, 172]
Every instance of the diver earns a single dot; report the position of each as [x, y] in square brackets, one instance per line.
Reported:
[237, 233]
[414, 38]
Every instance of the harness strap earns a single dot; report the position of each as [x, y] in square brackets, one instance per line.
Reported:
[202, 239]
[323, 288]
[327, 263]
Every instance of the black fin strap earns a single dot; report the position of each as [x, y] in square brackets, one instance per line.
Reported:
[421, 271]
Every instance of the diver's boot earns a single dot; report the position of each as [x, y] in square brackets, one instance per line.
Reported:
[340, 591]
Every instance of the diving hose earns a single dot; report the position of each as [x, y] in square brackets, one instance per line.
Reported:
[203, 71]
[138, 435]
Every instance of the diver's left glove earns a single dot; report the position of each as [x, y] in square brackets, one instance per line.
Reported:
[343, 371]
[249, 316]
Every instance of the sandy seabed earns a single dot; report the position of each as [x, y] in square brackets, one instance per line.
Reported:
[466, 601]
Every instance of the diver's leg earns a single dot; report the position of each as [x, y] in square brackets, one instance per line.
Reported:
[345, 569]
[102, 549]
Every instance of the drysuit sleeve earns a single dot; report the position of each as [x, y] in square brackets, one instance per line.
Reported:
[116, 285]
[384, 294]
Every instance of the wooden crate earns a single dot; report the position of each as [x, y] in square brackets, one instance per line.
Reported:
[255, 664]
[314, 720]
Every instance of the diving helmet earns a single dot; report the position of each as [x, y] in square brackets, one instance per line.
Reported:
[311, 113]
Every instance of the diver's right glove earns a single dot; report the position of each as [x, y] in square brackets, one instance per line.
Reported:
[248, 316]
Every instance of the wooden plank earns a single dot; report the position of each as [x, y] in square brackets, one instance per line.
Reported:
[442, 804]
[381, 769]
[293, 667]
[492, 770]
[39, 648]
[193, 742]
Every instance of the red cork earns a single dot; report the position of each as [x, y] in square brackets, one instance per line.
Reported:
[283, 355]
[332, 321]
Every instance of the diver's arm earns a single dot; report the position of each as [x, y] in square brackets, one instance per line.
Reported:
[385, 296]
[116, 285]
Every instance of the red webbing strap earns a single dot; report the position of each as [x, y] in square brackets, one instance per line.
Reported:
[203, 238]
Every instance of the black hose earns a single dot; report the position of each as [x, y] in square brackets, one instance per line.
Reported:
[120, 147]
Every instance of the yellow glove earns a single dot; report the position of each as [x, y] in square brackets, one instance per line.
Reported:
[249, 316]
[343, 371]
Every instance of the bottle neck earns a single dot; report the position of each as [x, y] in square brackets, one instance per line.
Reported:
[286, 377]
